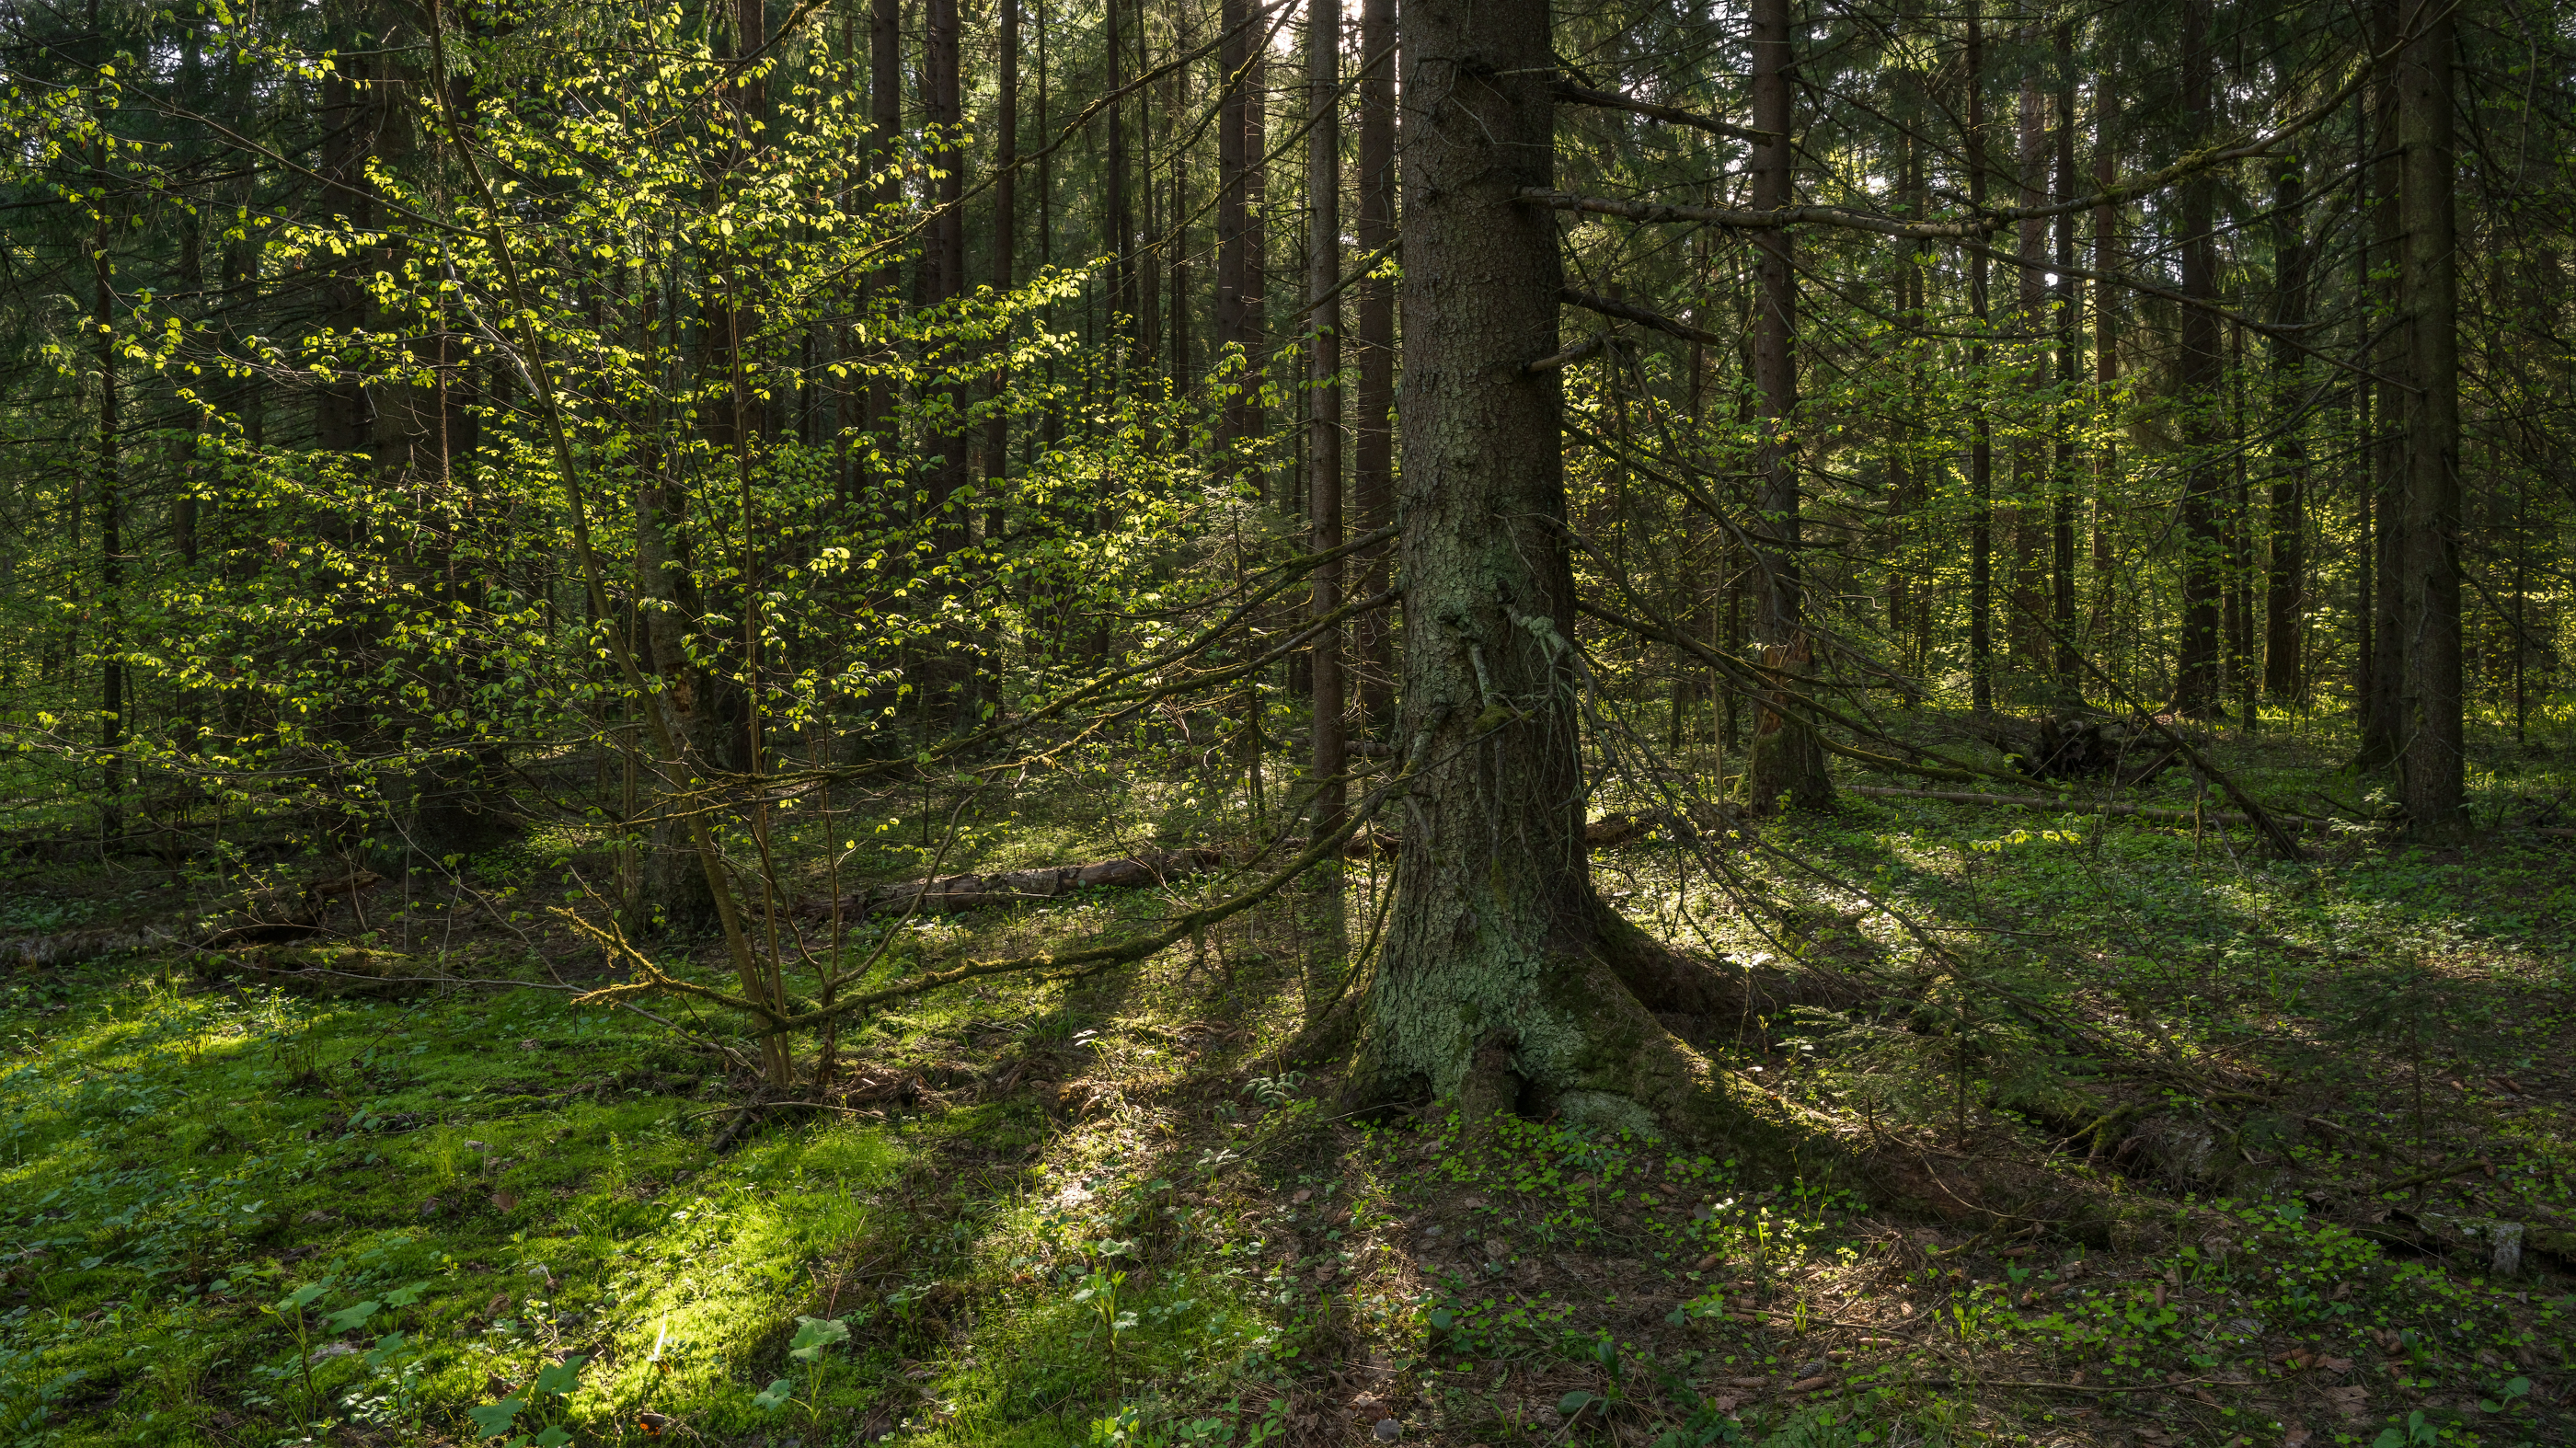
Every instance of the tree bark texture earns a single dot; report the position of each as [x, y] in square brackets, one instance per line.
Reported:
[2196, 681]
[1373, 430]
[1497, 949]
[2285, 596]
[2382, 722]
[2430, 757]
[1006, 220]
[1981, 444]
[1786, 759]
[1239, 422]
[1324, 432]
[2065, 668]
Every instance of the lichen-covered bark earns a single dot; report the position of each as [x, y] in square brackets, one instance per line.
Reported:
[1495, 894]
[1497, 947]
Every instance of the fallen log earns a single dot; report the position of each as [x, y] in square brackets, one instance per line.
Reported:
[2167, 813]
[950, 894]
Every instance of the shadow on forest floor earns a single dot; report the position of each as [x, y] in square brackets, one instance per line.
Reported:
[2321, 1100]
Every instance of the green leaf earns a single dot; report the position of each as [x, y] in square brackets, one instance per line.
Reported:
[495, 1418]
[554, 1437]
[776, 1396]
[561, 1379]
[815, 1336]
[349, 1317]
[1575, 1402]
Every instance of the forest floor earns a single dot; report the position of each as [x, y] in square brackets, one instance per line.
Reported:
[2322, 1109]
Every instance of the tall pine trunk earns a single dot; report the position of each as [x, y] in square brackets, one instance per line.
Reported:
[1324, 434]
[1787, 759]
[2106, 354]
[2382, 718]
[1373, 430]
[1006, 223]
[2430, 760]
[2196, 681]
[2064, 664]
[1981, 443]
[1505, 978]
[2285, 593]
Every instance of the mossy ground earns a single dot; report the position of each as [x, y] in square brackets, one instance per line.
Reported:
[516, 1183]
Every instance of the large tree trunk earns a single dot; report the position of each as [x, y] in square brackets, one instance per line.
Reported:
[1787, 761]
[2204, 550]
[1324, 434]
[1503, 972]
[2430, 760]
[1373, 433]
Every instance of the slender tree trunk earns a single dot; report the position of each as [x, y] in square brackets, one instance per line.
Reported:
[885, 116]
[2106, 353]
[2240, 540]
[1238, 422]
[1981, 444]
[1256, 255]
[2430, 760]
[1006, 225]
[2382, 722]
[2027, 626]
[1787, 758]
[1180, 241]
[110, 501]
[1120, 225]
[2285, 597]
[2064, 663]
[1373, 433]
[2196, 681]
[1324, 429]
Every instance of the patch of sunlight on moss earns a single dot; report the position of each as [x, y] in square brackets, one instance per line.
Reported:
[1048, 1354]
[718, 1278]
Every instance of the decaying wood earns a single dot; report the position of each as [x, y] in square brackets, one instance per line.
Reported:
[950, 894]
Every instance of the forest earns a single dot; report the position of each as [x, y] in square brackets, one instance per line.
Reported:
[1659, 723]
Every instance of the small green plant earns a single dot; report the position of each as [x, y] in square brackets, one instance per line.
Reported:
[1614, 1395]
[1125, 1429]
[545, 1400]
[289, 1310]
[812, 1346]
[1276, 1090]
[28, 1394]
[2418, 1432]
[1099, 1292]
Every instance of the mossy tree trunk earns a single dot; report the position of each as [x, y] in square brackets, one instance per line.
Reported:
[1505, 978]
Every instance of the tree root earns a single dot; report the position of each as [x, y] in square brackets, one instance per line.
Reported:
[1633, 1071]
